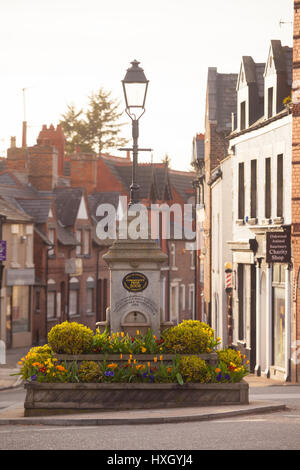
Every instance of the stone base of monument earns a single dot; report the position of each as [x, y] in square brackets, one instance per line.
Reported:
[65, 398]
[210, 358]
[130, 328]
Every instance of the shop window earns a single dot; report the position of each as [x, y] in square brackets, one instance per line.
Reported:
[279, 315]
[240, 275]
[20, 309]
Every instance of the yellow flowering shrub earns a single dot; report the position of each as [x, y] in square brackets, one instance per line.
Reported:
[189, 337]
[70, 338]
[89, 371]
[229, 356]
[194, 369]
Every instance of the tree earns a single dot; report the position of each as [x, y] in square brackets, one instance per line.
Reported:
[98, 128]
[75, 130]
[166, 160]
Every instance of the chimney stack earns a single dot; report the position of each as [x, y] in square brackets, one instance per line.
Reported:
[24, 134]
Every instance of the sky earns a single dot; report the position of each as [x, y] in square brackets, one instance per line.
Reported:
[63, 50]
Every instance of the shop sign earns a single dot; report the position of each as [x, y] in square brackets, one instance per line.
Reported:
[278, 249]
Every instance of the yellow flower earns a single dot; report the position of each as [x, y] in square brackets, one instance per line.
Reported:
[218, 338]
[217, 370]
[154, 337]
[161, 357]
[112, 365]
[134, 362]
[130, 356]
[129, 361]
[121, 356]
[20, 363]
[137, 332]
[148, 364]
[155, 359]
[169, 369]
[143, 349]
[247, 362]
[122, 334]
[117, 333]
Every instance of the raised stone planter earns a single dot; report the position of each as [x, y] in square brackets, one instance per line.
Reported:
[48, 398]
[211, 358]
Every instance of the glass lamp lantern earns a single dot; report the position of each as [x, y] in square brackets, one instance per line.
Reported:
[135, 85]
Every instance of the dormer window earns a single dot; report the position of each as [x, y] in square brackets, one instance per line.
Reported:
[51, 236]
[243, 115]
[270, 102]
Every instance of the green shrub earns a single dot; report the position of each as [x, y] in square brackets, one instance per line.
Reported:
[89, 371]
[189, 337]
[70, 338]
[229, 356]
[194, 369]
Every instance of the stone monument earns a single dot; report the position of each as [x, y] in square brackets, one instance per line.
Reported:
[135, 286]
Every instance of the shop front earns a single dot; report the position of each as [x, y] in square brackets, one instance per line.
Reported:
[18, 300]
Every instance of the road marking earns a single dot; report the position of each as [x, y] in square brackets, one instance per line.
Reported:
[249, 420]
[45, 428]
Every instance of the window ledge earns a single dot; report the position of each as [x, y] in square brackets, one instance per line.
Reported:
[239, 221]
[252, 221]
[278, 220]
[265, 221]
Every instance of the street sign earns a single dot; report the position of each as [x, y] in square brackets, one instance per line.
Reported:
[278, 247]
[2, 250]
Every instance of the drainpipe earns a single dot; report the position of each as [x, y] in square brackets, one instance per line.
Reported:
[46, 292]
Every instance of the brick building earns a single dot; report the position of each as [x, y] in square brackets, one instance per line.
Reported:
[295, 364]
[61, 194]
[220, 108]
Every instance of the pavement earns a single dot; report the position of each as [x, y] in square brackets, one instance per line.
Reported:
[14, 414]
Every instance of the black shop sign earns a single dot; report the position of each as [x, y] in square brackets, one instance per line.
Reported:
[278, 247]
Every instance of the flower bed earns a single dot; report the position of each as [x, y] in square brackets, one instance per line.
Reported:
[184, 357]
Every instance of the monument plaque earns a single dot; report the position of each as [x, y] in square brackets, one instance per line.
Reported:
[135, 282]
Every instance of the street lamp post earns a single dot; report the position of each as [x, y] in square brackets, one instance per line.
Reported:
[135, 86]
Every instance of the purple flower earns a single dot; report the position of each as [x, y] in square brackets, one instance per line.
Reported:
[227, 377]
[33, 377]
[219, 377]
[145, 374]
[109, 373]
[152, 378]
